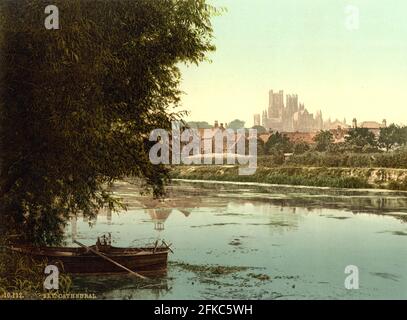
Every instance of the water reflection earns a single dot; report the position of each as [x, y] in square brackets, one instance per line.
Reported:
[185, 198]
[280, 242]
[158, 216]
[356, 201]
[122, 286]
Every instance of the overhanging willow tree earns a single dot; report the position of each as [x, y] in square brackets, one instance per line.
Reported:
[77, 104]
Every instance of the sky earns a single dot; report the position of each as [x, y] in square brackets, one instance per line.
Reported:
[345, 58]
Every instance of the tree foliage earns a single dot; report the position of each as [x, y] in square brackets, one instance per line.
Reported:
[278, 143]
[199, 125]
[301, 147]
[392, 136]
[77, 104]
[361, 138]
[236, 124]
[260, 129]
[324, 139]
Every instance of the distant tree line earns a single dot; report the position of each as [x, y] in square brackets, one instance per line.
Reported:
[359, 140]
[235, 125]
[360, 148]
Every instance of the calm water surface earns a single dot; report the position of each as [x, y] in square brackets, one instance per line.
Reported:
[257, 242]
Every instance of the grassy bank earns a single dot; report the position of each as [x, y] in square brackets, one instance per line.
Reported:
[23, 278]
[384, 178]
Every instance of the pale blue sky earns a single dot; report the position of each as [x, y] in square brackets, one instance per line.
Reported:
[303, 47]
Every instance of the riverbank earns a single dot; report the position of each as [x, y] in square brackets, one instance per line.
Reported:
[357, 178]
[22, 278]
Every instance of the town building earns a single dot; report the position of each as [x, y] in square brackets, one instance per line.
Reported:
[256, 119]
[336, 124]
[373, 126]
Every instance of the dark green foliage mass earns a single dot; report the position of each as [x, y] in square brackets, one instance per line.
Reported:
[77, 104]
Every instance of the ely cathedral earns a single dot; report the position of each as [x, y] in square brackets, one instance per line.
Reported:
[291, 117]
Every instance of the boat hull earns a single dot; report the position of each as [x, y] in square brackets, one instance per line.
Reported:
[146, 261]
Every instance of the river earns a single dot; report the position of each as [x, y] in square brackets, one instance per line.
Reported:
[248, 241]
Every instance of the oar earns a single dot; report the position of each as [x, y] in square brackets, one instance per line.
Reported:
[168, 246]
[110, 260]
[155, 246]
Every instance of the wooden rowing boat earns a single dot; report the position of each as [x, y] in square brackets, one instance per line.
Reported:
[146, 261]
